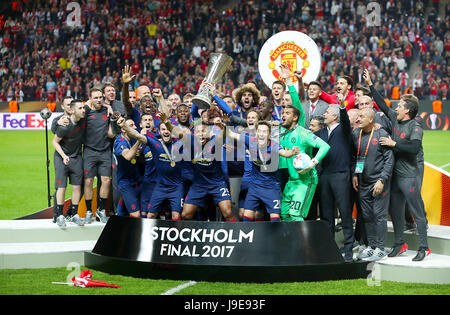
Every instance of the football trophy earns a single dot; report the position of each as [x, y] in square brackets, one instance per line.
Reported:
[217, 66]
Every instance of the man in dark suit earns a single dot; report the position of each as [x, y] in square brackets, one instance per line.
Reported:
[314, 106]
[335, 186]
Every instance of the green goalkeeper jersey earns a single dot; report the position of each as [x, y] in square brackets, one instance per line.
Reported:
[306, 141]
[301, 121]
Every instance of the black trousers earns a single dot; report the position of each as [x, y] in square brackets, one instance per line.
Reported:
[405, 190]
[408, 216]
[374, 210]
[360, 230]
[335, 189]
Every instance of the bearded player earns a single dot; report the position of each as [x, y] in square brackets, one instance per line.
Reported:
[299, 190]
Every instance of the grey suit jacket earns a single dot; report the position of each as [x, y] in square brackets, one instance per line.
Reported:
[319, 110]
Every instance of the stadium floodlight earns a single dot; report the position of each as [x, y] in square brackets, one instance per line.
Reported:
[46, 114]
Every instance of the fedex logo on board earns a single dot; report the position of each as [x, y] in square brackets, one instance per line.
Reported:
[16, 121]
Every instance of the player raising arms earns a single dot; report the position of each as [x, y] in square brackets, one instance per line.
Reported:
[344, 91]
[285, 74]
[299, 190]
[147, 101]
[344, 86]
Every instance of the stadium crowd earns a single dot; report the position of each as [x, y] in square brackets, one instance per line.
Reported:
[131, 120]
[168, 43]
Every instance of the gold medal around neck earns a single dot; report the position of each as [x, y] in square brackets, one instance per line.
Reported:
[172, 164]
[133, 161]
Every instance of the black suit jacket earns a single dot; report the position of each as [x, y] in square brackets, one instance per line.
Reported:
[339, 157]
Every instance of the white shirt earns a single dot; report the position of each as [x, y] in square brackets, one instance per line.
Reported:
[330, 129]
[312, 107]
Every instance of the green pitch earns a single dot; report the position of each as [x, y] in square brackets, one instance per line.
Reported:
[23, 184]
[436, 148]
[17, 282]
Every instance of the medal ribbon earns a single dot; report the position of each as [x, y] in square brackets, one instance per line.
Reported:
[368, 142]
[166, 150]
[276, 111]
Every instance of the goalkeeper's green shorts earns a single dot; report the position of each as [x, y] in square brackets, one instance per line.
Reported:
[296, 199]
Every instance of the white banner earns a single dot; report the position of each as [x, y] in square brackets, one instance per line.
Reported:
[24, 121]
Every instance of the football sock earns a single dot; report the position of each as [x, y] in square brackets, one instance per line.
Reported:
[74, 209]
[101, 203]
[88, 205]
[59, 209]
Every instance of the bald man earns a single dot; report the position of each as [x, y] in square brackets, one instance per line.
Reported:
[365, 101]
[353, 115]
[173, 101]
[143, 90]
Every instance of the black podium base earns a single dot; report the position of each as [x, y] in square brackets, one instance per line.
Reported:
[219, 251]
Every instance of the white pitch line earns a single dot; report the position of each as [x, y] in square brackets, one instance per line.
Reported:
[445, 165]
[179, 288]
[437, 169]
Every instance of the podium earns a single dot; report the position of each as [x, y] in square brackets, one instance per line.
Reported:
[221, 251]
